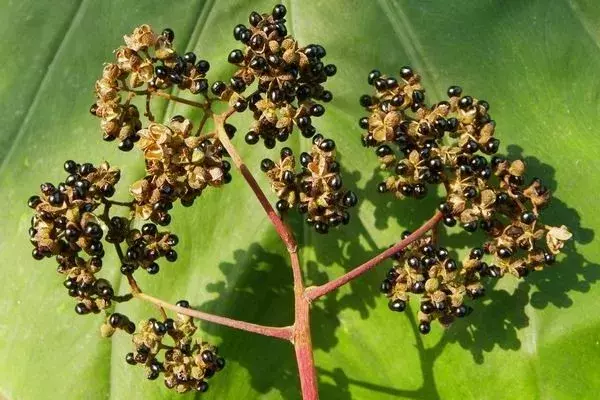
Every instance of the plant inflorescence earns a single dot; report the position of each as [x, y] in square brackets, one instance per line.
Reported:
[280, 82]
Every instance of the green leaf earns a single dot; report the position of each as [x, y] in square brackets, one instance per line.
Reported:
[536, 62]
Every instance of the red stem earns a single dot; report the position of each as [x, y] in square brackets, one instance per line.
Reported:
[301, 329]
[318, 291]
[285, 333]
[302, 336]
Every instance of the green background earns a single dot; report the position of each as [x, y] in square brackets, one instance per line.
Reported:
[537, 64]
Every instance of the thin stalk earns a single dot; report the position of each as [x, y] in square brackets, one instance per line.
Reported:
[171, 97]
[284, 333]
[301, 335]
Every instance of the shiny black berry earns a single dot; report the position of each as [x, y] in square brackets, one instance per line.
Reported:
[418, 287]
[168, 34]
[218, 88]
[427, 307]
[81, 309]
[373, 75]
[450, 265]
[305, 159]
[414, 262]
[461, 311]
[366, 100]
[549, 258]
[406, 72]
[203, 66]
[465, 102]
[454, 91]
[321, 227]
[266, 165]
[419, 191]
[504, 252]
[476, 253]
[282, 205]
[171, 255]
[327, 145]
[350, 199]
[317, 110]
[279, 11]
[251, 138]
[130, 359]
[397, 305]
[528, 217]
[386, 286]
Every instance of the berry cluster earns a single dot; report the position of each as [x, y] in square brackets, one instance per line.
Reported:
[429, 271]
[186, 364]
[317, 190]
[179, 165]
[147, 246]
[447, 144]
[290, 79]
[399, 118]
[65, 226]
[147, 61]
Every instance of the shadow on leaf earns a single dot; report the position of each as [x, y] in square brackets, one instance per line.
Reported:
[258, 283]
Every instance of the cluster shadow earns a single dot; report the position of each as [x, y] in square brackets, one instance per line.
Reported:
[258, 288]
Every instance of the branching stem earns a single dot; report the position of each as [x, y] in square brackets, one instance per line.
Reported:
[301, 335]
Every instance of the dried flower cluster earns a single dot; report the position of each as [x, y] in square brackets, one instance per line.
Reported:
[179, 165]
[65, 226]
[444, 285]
[146, 246]
[147, 63]
[316, 190]
[186, 363]
[447, 143]
[290, 78]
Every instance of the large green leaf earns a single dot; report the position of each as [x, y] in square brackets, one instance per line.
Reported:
[535, 61]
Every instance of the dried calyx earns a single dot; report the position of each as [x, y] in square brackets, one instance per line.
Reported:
[447, 143]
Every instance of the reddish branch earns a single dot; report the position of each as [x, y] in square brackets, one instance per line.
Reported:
[316, 292]
[284, 333]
